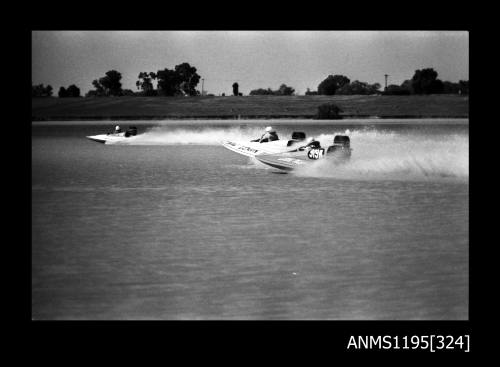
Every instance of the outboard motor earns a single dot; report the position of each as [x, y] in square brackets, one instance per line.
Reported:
[131, 131]
[342, 140]
[296, 136]
[341, 146]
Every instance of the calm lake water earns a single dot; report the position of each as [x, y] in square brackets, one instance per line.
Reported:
[175, 226]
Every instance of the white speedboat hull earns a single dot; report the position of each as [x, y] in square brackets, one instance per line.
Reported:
[292, 160]
[252, 149]
[109, 138]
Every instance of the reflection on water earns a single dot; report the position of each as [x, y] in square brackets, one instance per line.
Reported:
[181, 228]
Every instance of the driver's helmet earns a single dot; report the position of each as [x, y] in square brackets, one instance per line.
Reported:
[314, 144]
[269, 129]
[117, 128]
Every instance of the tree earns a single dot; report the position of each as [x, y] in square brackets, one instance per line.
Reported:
[111, 83]
[357, 87]
[62, 92]
[374, 88]
[451, 88]
[425, 81]
[41, 91]
[437, 87]
[188, 78]
[108, 85]
[331, 84]
[284, 90]
[464, 86]
[235, 89]
[394, 89]
[145, 83]
[91, 93]
[261, 92]
[407, 85]
[72, 91]
[128, 92]
[180, 81]
[99, 89]
[168, 82]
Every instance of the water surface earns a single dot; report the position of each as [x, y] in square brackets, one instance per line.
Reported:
[175, 226]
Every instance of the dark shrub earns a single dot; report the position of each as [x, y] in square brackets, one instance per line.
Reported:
[328, 111]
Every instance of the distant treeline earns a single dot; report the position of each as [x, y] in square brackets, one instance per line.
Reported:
[41, 91]
[424, 81]
[183, 79]
[340, 84]
[283, 90]
[180, 81]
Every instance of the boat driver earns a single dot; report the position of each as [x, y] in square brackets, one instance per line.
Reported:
[314, 144]
[117, 129]
[269, 135]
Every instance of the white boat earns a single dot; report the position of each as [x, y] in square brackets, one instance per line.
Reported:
[112, 138]
[340, 152]
[255, 147]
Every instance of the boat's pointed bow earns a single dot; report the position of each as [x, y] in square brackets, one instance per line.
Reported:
[96, 138]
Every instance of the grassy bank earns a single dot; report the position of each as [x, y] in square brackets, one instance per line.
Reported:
[138, 108]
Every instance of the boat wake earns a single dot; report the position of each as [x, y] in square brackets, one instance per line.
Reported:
[388, 155]
[376, 153]
[201, 136]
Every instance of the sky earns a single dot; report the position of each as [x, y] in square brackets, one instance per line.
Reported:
[253, 59]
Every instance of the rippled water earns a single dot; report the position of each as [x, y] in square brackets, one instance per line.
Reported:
[174, 226]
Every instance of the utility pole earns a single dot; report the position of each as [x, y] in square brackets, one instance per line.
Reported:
[202, 82]
[386, 75]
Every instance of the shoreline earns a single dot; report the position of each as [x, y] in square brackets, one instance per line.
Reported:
[244, 117]
[236, 122]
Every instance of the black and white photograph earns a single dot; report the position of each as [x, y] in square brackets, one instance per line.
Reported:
[250, 175]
